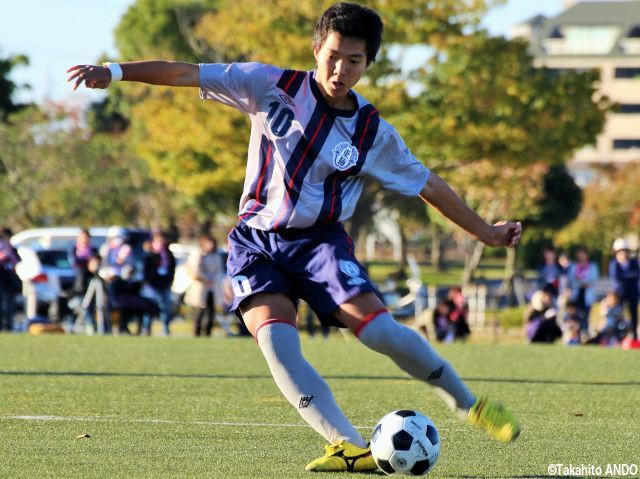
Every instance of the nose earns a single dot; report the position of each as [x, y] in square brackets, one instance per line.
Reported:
[341, 67]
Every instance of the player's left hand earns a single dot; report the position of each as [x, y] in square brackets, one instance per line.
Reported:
[505, 233]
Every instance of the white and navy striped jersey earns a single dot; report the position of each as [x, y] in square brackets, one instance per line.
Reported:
[307, 162]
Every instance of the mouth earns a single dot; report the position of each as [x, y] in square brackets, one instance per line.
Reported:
[337, 85]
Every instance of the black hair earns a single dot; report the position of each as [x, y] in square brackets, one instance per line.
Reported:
[351, 20]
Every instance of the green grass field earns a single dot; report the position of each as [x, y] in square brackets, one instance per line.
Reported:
[208, 408]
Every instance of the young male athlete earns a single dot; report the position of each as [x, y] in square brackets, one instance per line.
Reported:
[313, 142]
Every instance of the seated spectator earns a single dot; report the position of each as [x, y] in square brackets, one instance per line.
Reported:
[571, 325]
[442, 325]
[541, 317]
[613, 328]
[459, 313]
[126, 299]
[545, 329]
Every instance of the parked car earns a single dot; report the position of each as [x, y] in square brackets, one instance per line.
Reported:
[64, 238]
[46, 275]
[46, 266]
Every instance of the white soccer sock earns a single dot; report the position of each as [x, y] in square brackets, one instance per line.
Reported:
[303, 387]
[416, 356]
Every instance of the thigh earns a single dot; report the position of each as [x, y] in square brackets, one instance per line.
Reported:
[260, 308]
[251, 270]
[329, 275]
[358, 311]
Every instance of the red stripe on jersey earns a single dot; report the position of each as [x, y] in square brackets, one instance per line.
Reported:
[333, 200]
[298, 166]
[286, 87]
[334, 194]
[364, 132]
[259, 187]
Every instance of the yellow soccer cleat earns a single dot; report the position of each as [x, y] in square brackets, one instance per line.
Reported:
[496, 419]
[343, 456]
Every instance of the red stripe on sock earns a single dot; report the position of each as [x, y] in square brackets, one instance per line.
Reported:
[367, 319]
[272, 321]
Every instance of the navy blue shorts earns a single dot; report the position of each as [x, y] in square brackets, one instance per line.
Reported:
[316, 265]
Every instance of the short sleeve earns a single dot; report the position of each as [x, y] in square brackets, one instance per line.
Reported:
[239, 85]
[393, 165]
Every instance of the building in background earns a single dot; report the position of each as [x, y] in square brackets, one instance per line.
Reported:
[602, 35]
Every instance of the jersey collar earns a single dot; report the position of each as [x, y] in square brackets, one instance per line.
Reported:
[323, 102]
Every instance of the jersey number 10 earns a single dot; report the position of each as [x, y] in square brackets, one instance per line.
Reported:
[281, 122]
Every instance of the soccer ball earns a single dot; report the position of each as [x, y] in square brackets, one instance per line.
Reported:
[405, 442]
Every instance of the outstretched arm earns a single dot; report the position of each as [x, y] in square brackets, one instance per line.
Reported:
[154, 72]
[439, 194]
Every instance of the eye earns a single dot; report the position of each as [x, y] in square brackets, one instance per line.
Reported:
[355, 62]
[332, 57]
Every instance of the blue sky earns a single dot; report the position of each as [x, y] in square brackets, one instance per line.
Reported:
[56, 34]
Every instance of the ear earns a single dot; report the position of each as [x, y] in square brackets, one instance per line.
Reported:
[316, 52]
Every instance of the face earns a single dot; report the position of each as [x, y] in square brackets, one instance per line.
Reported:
[83, 238]
[207, 245]
[582, 256]
[622, 255]
[549, 256]
[341, 63]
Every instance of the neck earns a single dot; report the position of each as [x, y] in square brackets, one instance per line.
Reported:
[339, 103]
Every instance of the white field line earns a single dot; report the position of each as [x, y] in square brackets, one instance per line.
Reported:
[155, 421]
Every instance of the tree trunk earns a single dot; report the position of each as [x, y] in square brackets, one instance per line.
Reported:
[472, 264]
[508, 287]
[437, 256]
[402, 260]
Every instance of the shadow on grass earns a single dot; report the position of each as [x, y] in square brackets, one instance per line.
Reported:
[151, 374]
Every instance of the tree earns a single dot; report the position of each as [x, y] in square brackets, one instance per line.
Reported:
[611, 210]
[492, 124]
[7, 86]
[52, 174]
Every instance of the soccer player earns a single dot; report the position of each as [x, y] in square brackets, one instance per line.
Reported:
[313, 142]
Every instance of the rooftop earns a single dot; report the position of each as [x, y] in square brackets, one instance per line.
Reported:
[618, 20]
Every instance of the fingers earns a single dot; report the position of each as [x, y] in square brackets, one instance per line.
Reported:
[92, 76]
[515, 232]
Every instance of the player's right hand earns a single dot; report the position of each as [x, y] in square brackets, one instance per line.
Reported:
[93, 76]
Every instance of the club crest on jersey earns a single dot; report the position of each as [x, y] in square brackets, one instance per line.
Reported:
[345, 155]
[351, 269]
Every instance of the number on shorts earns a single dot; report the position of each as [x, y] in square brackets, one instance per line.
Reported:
[241, 286]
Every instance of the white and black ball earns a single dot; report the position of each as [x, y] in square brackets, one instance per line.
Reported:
[405, 442]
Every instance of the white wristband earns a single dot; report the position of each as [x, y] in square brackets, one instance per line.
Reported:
[115, 69]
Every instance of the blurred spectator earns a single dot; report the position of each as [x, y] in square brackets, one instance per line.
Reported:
[571, 325]
[624, 273]
[541, 317]
[459, 314]
[565, 264]
[93, 297]
[550, 273]
[310, 320]
[582, 277]
[115, 253]
[81, 254]
[572, 336]
[10, 284]
[206, 268]
[442, 321]
[159, 271]
[613, 328]
[126, 299]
